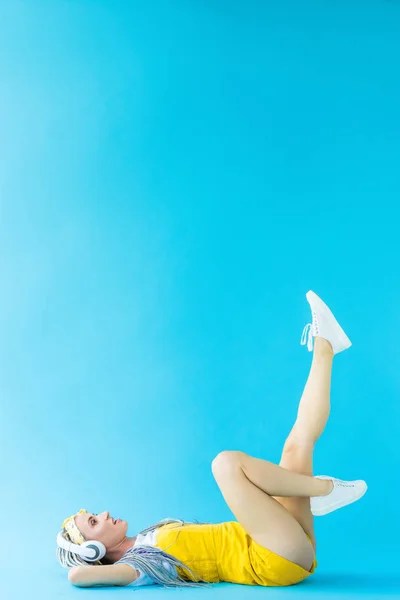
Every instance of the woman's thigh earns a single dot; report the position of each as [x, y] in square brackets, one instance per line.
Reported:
[298, 457]
[266, 521]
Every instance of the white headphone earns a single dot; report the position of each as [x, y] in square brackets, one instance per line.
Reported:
[91, 550]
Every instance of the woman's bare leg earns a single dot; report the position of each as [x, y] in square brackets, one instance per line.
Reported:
[315, 403]
[312, 416]
[273, 502]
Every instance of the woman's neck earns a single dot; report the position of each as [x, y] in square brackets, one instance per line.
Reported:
[116, 554]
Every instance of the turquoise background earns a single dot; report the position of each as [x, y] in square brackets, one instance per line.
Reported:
[174, 177]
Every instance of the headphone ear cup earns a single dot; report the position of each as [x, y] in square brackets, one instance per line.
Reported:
[98, 547]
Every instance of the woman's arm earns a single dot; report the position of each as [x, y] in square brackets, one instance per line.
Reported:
[85, 576]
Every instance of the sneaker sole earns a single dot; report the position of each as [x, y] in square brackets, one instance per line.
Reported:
[343, 341]
[337, 505]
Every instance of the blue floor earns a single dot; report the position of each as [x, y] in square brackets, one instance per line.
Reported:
[175, 175]
[343, 584]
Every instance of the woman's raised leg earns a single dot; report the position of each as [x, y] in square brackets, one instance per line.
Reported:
[282, 531]
[312, 416]
[250, 485]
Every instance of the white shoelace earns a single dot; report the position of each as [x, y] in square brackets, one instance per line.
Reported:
[304, 340]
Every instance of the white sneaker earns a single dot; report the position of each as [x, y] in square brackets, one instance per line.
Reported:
[343, 493]
[324, 325]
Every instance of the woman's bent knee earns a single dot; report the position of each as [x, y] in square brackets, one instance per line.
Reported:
[227, 459]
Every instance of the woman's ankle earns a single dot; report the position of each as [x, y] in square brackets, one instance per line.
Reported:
[322, 347]
[325, 486]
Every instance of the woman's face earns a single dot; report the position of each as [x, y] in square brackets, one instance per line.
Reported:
[102, 528]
